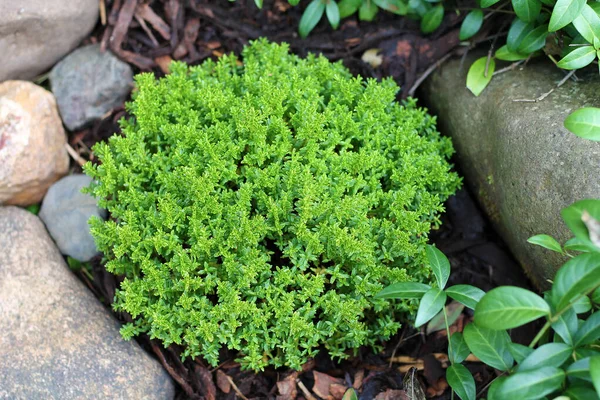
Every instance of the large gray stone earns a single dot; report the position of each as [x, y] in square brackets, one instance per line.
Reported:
[66, 211]
[519, 160]
[35, 34]
[57, 341]
[88, 83]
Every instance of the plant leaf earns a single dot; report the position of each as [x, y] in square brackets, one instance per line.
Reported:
[527, 10]
[259, 3]
[580, 369]
[431, 303]
[566, 326]
[578, 58]
[461, 381]
[576, 244]
[491, 394]
[437, 323]
[439, 265]
[367, 11]
[518, 30]
[488, 3]
[432, 19]
[403, 290]
[596, 296]
[585, 123]
[548, 355]
[582, 305]
[576, 276]
[519, 351]
[458, 350]
[579, 393]
[350, 395]
[588, 24]
[311, 17]
[546, 241]
[471, 24]
[348, 7]
[573, 217]
[504, 54]
[564, 12]
[507, 307]
[589, 331]
[595, 373]
[465, 294]
[393, 6]
[333, 14]
[532, 384]
[477, 80]
[489, 346]
[533, 40]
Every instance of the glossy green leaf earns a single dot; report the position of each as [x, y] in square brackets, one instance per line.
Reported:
[477, 80]
[518, 30]
[582, 305]
[438, 323]
[532, 384]
[546, 241]
[596, 296]
[533, 40]
[576, 244]
[348, 7]
[585, 123]
[393, 6]
[589, 331]
[585, 352]
[588, 24]
[508, 307]
[431, 303]
[333, 14]
[573, 215]
[294, 2]
[527, 10]
[547, 355]
[504, 54]
[432, 19]
[595, 373]
[471, 24]
[580, 369]
[458, 350]
[566, 325]
[259, 3]
[403, 290]
[576, 276]
[311, 17]
[350, 395]
[564, 12]
[580, 392]
[493, 389]
[465, 294]
[488, 3]
[519, 351]
[490, 346]
[439, 265]
[461, 381]
[578, 58]
[367, 11]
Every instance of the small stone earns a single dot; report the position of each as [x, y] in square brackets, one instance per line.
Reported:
[88, 83]
[35, 34]
[66, 211]
[32, 143]
[57, 340]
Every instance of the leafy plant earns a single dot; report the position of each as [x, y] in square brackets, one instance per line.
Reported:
[259, 206]
[564, 357]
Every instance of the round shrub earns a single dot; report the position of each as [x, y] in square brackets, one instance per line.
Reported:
[259, 206]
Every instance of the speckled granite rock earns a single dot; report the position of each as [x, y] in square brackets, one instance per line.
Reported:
[35, 34]
[32, 143]
[57, 341]
[518, 158]
[88, 83]
[66, 211]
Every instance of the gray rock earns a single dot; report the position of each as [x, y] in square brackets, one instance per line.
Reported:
[66, 211]
[518, 158]
[57, 340]
[35, 34]
[88, 83]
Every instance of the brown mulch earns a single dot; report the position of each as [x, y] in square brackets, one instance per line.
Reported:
[149, 34]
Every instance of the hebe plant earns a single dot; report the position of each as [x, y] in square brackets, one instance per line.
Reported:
[260, 206]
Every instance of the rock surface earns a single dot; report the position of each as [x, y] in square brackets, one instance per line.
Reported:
[35, 34]
[65, 212]
[518, 158]
[57, 340]
[32, 143]
[88, 83]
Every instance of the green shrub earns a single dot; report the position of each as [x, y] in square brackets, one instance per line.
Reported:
[259, 206]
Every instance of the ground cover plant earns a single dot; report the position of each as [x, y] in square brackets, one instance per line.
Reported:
[563, 359]
[259, 204]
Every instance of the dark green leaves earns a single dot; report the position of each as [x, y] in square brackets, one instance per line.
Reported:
[534, 384]
[589, 331]
[394, 6]
[534, 40]
[519, 352]
[439, 265]
[518, 30]
[564, 12]
[527, 10]
[367, 11]
[585, 123]
[348, 7]
[595, 373]
[546, 241]
[403, 290]
[588, 24]
[504, 54]
[471, 24]
[489, 346]
[465, 294]
[508, 307]
[333, 13]
[578, 58]
[458, 349]
[311, 17]
[431, 304]
[461, 381]
[547, 355]
[566, 326]
[432, 19]
[577, 276]
[477, 77]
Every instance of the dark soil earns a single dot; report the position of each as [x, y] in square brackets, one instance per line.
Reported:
[150, 35]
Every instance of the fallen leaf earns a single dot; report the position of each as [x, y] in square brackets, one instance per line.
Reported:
[392, 394]
[358, 379]
[372, 57]
[164, 62]
[222, 382]
[337, 390]
[438, 323]
[438, 388]
[287, 387]
[323, 383]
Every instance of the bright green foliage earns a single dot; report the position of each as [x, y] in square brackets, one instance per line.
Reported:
[260, 206]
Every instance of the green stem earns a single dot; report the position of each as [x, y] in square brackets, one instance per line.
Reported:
[447, 333]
